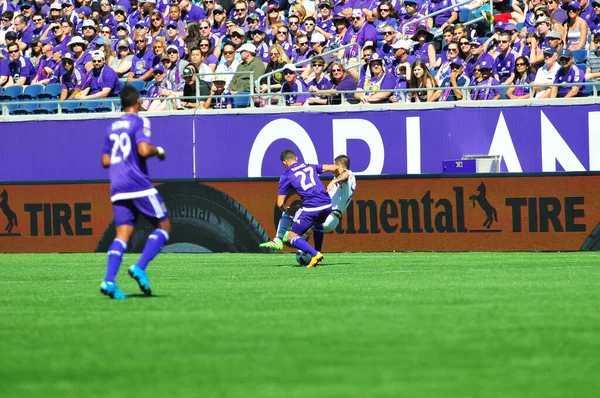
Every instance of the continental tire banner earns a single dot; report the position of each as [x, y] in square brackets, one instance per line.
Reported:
[491, 213]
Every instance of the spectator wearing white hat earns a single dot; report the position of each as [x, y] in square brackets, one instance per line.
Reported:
[83, 59]
[123, 61]
[102, 80]
[176, 67]
[403, 58]
[218, 98]
[90, 30]
[250, 63]
[294, 85]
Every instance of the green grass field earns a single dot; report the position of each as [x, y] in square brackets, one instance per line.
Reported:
[363, 325]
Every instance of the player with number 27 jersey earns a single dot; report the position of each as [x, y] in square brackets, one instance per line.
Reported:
[304, 178]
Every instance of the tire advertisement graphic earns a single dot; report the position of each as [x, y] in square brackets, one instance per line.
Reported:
[549, 212]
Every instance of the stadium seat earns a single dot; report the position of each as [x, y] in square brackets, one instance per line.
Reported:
[520, 26]
[140, 85]
[104, 106]
[31, 92]
[88, 106]
[151, 82]
[580, 56]
[25, 109]
[503, 91]
[241, 101]
[69, 106]
[51, 91]
[583, 66]
[464, 15]
[11, 93]
[46, 108]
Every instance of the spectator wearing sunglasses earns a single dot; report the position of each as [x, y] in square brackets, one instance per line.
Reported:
[38, 26]
[218, 98]
[592, 71]
[274, 16]
[547, 73]
[309, 25]
[219, 26]
[412, 7]
[521, 76]
[483, 77]
[341, 81]
[102, 81]
[300, 49]
[143, 61]
[281, 37]
[278, 59]
[386, 15]
[594, 24]
[294, 85]
[361, 33]
[173, 39]
[90, 34]
[176, 67]
[157, 25]
[262, 48]
[575, 36]
[504, 63]
[556, 12]
[229, 63]
[240, 12]
[317, 80]
[250, 63]
[569, 72]
[377, 85]
[325, 24]
[386, 51]
[175, 21]
[106, 16]
[452, 87]
[123, 61]
[70, 77]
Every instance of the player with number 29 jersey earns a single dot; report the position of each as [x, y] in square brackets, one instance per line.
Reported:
[304, 178]
[128, 171]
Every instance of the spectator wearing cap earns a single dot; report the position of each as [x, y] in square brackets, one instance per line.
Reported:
[122, 63]
[159, 89]
[27, 10]
[218, 98]
[229, 63]
[173, 39]
[444, 19]
[547, 73]
[478, 55]
[254, 10]
[377, 86]
[385, 50]
[90, 35]
[569, 72]
[341, 25]
[294, 85]
[176, 67]
[191, 12]
[68, 13]
[317, 80]
[175, 22]
[219, 26]
[361, 33]
[421, 78]
[325, 24]
[274, 16]
[522, 77]
[542, 11]
[135, 15]
[262, 47]
[102, 81]
[20, 68]
[453, 85]
[592, 70]
[196, 90]
[575, 35]
[504, 64]
[424, 48]
[483, 77]
[83, 59]
[83, 14]
[543, 26]
[554, 40]
[70, 77]
[318, 44]
[301, 49]
[407, 20]
[143, 61]
[241, 82]
[120, 14]
[253, 23]
[403, 58]
[123, 34]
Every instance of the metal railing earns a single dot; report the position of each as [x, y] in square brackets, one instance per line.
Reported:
[305, 61]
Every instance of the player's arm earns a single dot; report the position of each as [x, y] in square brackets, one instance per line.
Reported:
[329, 167]
[105, 160]
[147, 150]
[281, 203]
[343, 176]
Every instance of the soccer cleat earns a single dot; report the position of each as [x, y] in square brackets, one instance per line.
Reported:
[275, 244]
[141, 278]
[315, 260]
[112, 290]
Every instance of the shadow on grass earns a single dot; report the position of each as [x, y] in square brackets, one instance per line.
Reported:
[143, 296]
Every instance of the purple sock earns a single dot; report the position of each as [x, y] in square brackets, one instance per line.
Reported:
[303, 245]
[318, 237]
[115, 256]
[154, 245]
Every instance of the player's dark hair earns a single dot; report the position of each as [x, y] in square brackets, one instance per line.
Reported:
[287, 155]
[129, 96]
[344, 161]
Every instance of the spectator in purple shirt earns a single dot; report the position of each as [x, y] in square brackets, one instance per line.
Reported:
[102, 81]
[160, 89]
[191, 12]
[143, 61]
[483, 77]
[361, 32]
[21, 70]
[569, 72]
[386, 51]
[294, 85]
[424, 49]
[4, 70]
[522, 76]
[387, 16]
[377, 85]
[505, 61]
[407, 24]
[341, 81]
[24, 33]
[444, 19]
[71, 78]
[316, 80]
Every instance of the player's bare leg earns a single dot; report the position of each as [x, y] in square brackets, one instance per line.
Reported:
[115, 257]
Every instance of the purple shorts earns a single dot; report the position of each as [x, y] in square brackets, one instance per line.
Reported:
[152, 207]
[304, 219]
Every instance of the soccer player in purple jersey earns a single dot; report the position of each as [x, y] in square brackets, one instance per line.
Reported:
[126, 148]
[316, 203]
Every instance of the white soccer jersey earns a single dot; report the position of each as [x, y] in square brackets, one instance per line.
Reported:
[342, 193]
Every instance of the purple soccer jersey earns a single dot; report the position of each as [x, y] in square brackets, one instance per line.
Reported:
[316, 203]
[128, 171]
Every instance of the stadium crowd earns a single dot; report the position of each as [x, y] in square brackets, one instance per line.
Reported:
[173, 48]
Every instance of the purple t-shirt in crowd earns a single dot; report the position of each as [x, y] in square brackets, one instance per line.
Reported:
[73, 80]
[366, 33]
[107, 77]
[128, 171]
[574, 75]
[437, 5]
[85, 58]
[304, 178]
[504, 65]
[485, 93]
[22, 68]
[194, 14]
[297, 87]
[387, 53]
[4, 70]
[323, 84]
[347, 84]
[142, 62]
[422, 53]
[412, 28]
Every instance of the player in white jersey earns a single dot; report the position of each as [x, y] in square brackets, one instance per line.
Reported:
[340, 189]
